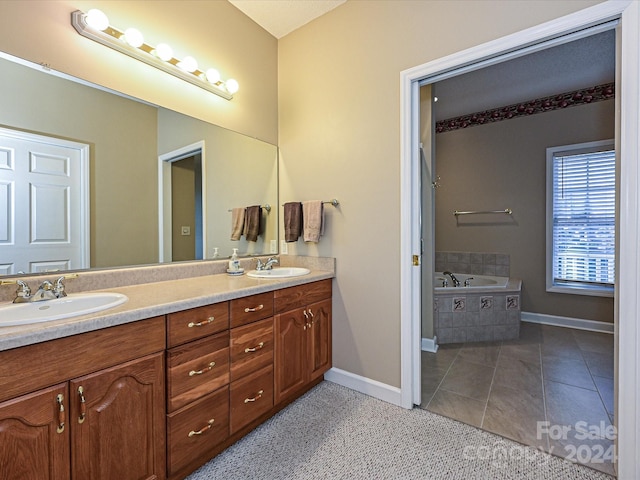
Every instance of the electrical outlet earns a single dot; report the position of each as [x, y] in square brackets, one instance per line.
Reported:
[284, 248]
[273, 247]
[186, 230]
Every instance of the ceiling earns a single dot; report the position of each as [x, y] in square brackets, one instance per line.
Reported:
[280, 17]
[570, 66]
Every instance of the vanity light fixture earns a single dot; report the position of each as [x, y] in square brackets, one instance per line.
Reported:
[95, 25]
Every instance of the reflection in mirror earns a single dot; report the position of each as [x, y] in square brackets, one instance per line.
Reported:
[126, 139]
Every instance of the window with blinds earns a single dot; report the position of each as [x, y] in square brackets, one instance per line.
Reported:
[581, 218]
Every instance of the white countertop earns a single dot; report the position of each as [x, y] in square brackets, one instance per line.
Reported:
[153, 299]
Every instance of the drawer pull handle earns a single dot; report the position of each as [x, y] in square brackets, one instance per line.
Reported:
[60, 402]
[255, 309]
[83, 405]
[204, 370]
[201, 324]
[203, 429]
[257, 397]
[254, 349]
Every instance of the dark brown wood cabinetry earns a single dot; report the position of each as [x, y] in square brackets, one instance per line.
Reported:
[104, 416]
[302, 337]
[157, 398]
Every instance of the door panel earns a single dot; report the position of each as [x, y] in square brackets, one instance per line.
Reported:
[43, 182]
[122, 434]
[33, 446]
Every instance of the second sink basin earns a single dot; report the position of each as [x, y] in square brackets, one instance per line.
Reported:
[49, 310]
[279, 272]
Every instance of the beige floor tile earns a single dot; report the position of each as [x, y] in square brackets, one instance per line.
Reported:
[456, 406]
[516, 374]
[572, 371]
[468, 379]
[574, 406]
[600, 364]
[605, 389]
[484, 353]
[527, 352]
[594, 341]
[515, 414]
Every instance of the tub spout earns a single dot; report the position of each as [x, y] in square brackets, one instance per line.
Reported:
[456, 282]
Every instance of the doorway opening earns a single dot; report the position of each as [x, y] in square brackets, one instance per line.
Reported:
[182, 222]
[626, 308]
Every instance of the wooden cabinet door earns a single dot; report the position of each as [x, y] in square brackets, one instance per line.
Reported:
[290, 361]
[34, 436]
[117, 422]
[319, 338]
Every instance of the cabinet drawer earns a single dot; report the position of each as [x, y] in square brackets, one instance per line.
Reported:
[249, 309]
[197, 429]
[182, 327]
[251, 397]
[296, 297]
[195, 369]
[251, 348]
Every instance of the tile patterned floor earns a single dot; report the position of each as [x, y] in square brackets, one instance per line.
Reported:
[552, 389]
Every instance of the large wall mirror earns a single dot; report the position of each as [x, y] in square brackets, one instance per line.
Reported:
[161, 185]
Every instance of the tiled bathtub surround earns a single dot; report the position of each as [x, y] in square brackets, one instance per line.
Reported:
[473, 263]
[468, 316]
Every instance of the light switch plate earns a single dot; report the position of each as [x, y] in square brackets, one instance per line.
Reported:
[284, 249]
[273, 246]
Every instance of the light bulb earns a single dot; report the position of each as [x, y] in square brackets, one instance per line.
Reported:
[133, 37]
[97, 19]
[232, 86]
[188, 64]
[213, 76]
[164, 52]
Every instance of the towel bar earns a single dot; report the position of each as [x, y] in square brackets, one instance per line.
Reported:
[266, 206]
[506, 211]
[333, 202]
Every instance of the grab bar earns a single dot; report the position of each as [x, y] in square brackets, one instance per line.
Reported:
[506, 211]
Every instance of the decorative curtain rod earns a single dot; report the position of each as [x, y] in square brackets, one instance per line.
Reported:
[506, 211]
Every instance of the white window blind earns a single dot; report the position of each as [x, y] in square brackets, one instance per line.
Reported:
[584, 192]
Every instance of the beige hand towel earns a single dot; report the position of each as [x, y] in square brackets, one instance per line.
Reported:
[312, 220]
[237, 223]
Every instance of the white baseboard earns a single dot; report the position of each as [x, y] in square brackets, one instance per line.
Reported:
[568, 322]
[430, 344]
[365, 385]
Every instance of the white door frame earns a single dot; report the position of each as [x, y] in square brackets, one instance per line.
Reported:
[627, 306]
[164, 197]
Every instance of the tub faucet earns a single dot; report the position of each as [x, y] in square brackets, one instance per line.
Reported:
[456, 282]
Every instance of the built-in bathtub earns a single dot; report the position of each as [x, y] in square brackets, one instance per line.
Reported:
[468, 281]
[487, 309]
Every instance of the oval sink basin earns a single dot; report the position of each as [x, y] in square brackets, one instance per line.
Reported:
[279, 272]
[48, 310]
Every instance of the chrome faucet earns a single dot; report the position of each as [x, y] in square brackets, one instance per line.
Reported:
[46, 290]
[268, 265]
[456, 282]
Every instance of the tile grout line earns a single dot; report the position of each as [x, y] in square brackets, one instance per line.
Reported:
[495, 369]
[442, 380]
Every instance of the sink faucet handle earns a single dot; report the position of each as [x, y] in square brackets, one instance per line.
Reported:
[58, 287]
[259, 265]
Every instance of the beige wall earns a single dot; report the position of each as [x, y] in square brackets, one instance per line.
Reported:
[238, 171]
[122, 137]
[503, 165]
[339, 130]
[336, 108]
[215, 32]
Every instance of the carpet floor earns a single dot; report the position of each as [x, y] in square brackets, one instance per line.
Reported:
[333, 432]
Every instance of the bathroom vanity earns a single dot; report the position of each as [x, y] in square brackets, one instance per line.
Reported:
[155, 388]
